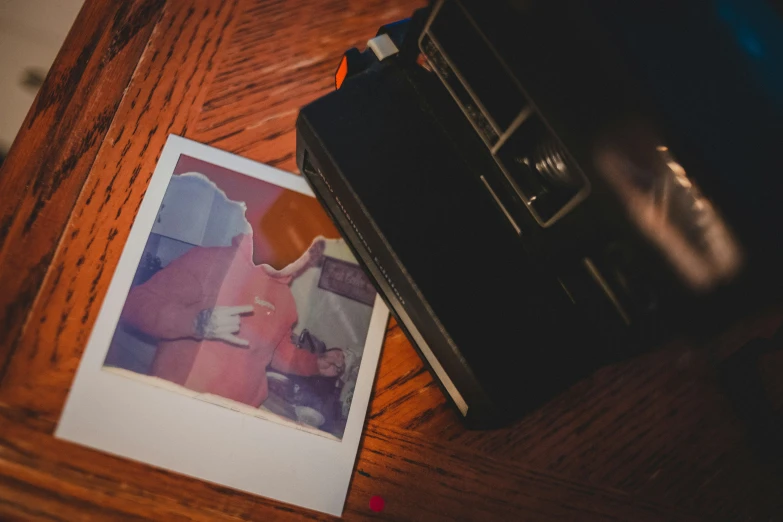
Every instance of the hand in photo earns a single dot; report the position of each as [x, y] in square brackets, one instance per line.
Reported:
[332, 363]
[221, 323]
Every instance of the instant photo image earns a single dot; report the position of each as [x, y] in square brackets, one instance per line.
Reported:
[237, 323]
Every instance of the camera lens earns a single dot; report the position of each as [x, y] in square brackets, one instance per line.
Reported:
[551, 164]
[540, 169]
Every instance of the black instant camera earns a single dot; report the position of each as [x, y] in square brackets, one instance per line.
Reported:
[541, 187]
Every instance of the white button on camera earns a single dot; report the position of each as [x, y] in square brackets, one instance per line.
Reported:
[383, 47]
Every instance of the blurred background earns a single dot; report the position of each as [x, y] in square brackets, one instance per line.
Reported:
[31, 34]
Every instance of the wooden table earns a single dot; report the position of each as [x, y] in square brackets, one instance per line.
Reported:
[649, 439]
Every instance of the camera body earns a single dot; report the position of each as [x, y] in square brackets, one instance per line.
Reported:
[540, 188]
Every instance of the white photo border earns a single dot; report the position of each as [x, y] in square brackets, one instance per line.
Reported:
[168, 430]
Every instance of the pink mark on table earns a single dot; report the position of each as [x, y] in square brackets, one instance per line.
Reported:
[377, 503]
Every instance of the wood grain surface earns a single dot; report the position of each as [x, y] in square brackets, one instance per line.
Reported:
[652, 438]
[56, 147]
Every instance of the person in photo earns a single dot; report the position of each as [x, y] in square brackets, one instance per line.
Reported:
[220, 321]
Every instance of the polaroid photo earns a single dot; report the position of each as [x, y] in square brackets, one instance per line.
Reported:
[239, 338]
